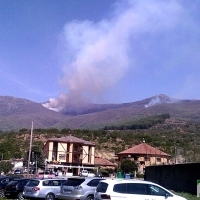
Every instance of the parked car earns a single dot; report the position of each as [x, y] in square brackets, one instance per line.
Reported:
[79, 188]
[14, 188]
[84, 173]
[91, 174]
[18, 171]
[129, 189]
[98, 174]
[46, 174]
[42, 188]
[4, 180]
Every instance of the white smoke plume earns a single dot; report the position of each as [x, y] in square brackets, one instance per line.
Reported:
[161, 99]
[98, 55]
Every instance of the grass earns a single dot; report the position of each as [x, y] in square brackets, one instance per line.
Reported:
[187, 195]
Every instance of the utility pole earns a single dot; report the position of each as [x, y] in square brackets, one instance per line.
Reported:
[30, 148]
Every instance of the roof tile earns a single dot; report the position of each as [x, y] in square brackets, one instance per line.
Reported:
[143, 148]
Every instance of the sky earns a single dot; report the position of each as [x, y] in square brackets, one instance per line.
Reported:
[99, 51]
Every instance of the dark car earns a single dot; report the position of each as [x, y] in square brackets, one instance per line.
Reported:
[14, 188]
[4, 180]
[18, 171]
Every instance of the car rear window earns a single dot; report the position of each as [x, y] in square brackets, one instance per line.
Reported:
[94, 182]
[13, 182]
[102, 187]
[51, 183]
[73, 182]
[33, 183]
[22, 182]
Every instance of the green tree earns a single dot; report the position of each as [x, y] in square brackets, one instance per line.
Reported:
[128, 166]
[36, 156]
[6, 166]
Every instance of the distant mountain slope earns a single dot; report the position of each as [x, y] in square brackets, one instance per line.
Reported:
[16, 113]
[161, 104]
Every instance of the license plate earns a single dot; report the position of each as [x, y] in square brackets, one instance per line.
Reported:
[7, 194]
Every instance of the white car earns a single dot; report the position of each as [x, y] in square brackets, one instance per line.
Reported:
[129, 189]
[90, 174]
[84, 173]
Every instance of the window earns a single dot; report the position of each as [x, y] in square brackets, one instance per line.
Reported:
[155, 190]
[23, 182]
[56, 183]
[75, 148]
[136, 158]
[120, 188]
[33, 183]
[102, 187]
[137, 188]
[73, 182]
[61, 156]
[6, 180]
[46, 183]
[147, 158]
[158, 159]
[94, 182]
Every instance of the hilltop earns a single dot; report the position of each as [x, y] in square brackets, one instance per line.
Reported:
[17, 113]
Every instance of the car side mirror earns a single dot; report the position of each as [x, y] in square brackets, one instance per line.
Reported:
[166, 195]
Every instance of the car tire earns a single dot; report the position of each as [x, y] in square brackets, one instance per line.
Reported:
[89, 197]
[2, 193]
[19, 196]
[50, 196]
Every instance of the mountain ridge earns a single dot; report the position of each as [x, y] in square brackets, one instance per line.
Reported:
[18, 113]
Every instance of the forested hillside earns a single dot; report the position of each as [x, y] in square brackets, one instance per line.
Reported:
[178, 138]
[16, 114]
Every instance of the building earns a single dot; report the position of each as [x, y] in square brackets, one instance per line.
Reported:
[69, 154]
[104, 163]
[144, 155]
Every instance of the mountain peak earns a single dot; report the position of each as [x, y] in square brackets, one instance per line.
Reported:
[160, 99]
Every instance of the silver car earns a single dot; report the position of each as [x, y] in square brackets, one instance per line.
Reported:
[42, 188]
[82, 188]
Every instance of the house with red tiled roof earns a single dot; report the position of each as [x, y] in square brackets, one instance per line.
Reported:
[144, 155]
[69, 154]
[103, 163]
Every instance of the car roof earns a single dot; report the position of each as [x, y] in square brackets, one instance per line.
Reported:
[3, 177]
[123, 180]
[21, 179]
[45, 179]
[86, 178]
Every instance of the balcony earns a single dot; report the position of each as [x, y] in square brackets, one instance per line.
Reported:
[76, 160]
[77, 151]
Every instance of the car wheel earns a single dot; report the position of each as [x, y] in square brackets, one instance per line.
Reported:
[50, 196]
[2, 193]
[89, 198]
[20, 197]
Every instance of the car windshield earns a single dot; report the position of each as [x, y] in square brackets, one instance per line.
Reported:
[102, 187]
[73, 182]
[33, 183]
